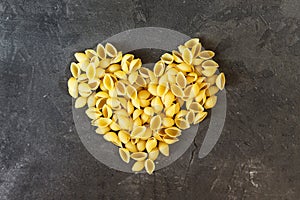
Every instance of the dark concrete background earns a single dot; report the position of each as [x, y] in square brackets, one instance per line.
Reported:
[258, 47]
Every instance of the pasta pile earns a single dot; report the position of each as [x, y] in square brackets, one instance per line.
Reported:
[143, 111]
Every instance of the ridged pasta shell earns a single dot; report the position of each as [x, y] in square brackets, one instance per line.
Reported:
[131, 147]
[162, 89]
[82, 78]
[102, 94]
[136, 114]
[181, 48]
[211, 80]
[81, 57]
[100, 102]
[106, 111]
[200, 117]
[139, 156]
[149, 166]
[212, 90]
[124, 154]
[93, 113]
[95, 61]
[131, 92]
[163, 148]
[209, 64]
[75, 70]
[144, 72]
[102, 130]
[108, 82]
[138, 166]
[84, 87]
[159, 68]
[90, 53]
[143, 94]
[111, 136]
[144, 102]
[91, 101]
[182, 123]
[101, 51]
[167, 58]
[153, 154]
[181, 80]
[171, 111]
[152, 88]
[135, 64]
[151, 144]
[200, 80]
[170, 140]
[184, 67]
[196, 50]
[187, 56]
[113, 102]
[120, 75]
[104, 63]
[94, 83]
[85, 94]
[220, 81]
[210, 102]
[132, 77]
[168, 99]
[192, 42]
[206, 54]
[157, 104]
[124, 136]
[136, 103]
[168, 122]
[187, 92]
[111, 50]
[140, 81]
[173, 131]
[197, 61]
[138, 131]
[176, 90]
[104, 122]
[209, 72]
[113, 68]
[147, 134]
[181, 113]
[80, 102]
[155, 122]
[190, 116]
[118, 58]
[121, 88]
[177, 56]
[149, 111]
[196, 107]
[141, 145]
[73, 87]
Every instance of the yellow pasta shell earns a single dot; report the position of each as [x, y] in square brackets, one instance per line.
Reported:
[111, 137]
[81, 57]
[104, 122]
[75, 70]
[131, 92]
[80, 102]
[153, 154]
[124, 136]
[73, 87]
[196, 107]
[187, 56]
[90, 53]
[192, 42]
[171, 111]
[101, 51]
[138, 131]
[151, 144]
[210, 102]
[108, 82]
[157, 104]
[206, 54]
[138, 166]
[170, 140]
[209, 64]
[135, 64]
[113, 68]
[155, 122]
[118, 58]
[177, 56]
[120, 75]
[144, 94]
[200, 117]
[163, 148]
[168, 122]
[149, 166]
[162, 89]
[110, 50]
[132, 77]
[182, 123]
[196, 50]
[184, 67]
[139, 156]
[103, 130]
[173, 131]
[141, 145]
[220, 81]
[181, 80]
[167, 58]
[124, 154]
[131, 147]
[212, 90]
[136, 114]
[159, 68]
[91, 101]
[190, 116]
[176, 90]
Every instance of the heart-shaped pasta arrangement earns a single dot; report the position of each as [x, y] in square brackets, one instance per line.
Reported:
[143, 111]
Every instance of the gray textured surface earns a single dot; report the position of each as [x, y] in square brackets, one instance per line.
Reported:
[258, 47]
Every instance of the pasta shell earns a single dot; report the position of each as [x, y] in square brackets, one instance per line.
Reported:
[190, 116]
[163, 148]
[209, 64]
[136, 114]
[182, 123]
[113, 102]
[91, 101]
[196, 50]
[143, 94]
[192, 42]
[104, 63]
[144, 72]
[210, 102]
[168, 122]
[200, 117]
[113, 68]
[196, 107]
[211, 80]
[134, 140]
[141, 145]
[131, 147]
[94, 83]
[149, 111]
[147, 134]
[173, 131]
[110, 137]
[121, 88]
[75, 70]
[124, 122]
[181, 113]
[170, 140]
[176, 90]
[102, 95]
[139, 156]
[167, 58]
[159, 68]
[85, 94]
[181, 48]
[90, 53]
[95, 61]
[108, 82]
[152, 88]
[93, 113]
[211, 91]
[151, 144]
[82, 78]
[206, 55]
[81, 57]
[135, 64]
[107, 111]
[144, 102]
[73, 87]
[184, 67]
[131, 92]
[140, 81]
[168, 99]
[156, 104]
[187, 56]
[177, 56]
[200, 80]
[83, 65]
[157, 136]
[136, 103]
[155, 122]
[120, 75]
[132, 77]
[124, 154]
[101, 51]
[118, 58]
[104, 122]
[181, 80]
[170, 111]
[138, 131]
[138, 166]
[111, 50]
[100, 73]
[149, 166]
[80, 102]
[188, 91]
[84, 87]
[162, 89]
[153, 154]
[197, 61]
[220, 81]
[209, 72]
[100, 102]
[102, 130]
[124, 136]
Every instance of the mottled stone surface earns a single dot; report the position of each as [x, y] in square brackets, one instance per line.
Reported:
[258, 47]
